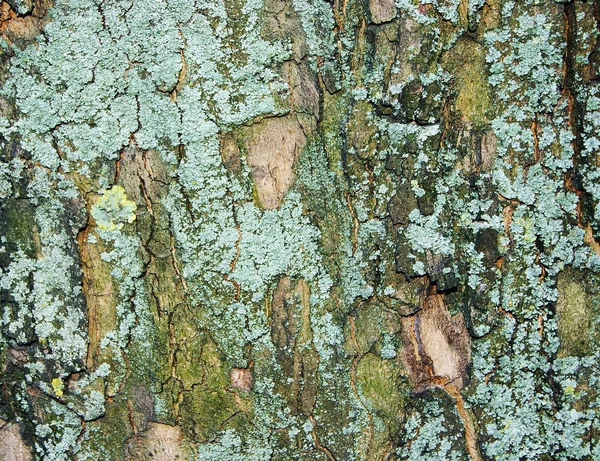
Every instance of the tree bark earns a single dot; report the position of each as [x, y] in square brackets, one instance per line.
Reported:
[299, 229]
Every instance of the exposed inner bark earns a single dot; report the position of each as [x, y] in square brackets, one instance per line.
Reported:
[274, 146]
[12, 446]
[438, 345]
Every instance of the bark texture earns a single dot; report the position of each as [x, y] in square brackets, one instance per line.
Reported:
[299, 229]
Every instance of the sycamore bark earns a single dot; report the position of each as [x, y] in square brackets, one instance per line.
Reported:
[299, 229]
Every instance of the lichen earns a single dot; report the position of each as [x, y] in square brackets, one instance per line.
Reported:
[113, 209]
[58, 386]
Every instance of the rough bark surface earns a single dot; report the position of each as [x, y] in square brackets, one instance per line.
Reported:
[299, 229]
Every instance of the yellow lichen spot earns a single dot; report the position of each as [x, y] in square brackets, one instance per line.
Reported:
[569, 390]
[114, 209]
[58, 386]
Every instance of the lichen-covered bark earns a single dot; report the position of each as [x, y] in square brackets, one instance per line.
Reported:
[295, 229]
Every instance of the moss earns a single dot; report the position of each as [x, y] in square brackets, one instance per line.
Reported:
[107, 440]
[466, 62]
[575, 314]
[382, 384]
[17, 223]
[362, 130]
[208, 401]
[368, 325]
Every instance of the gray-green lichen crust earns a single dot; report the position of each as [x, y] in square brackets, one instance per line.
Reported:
[295, 229]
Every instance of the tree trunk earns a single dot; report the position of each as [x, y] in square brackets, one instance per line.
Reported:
[295, 229]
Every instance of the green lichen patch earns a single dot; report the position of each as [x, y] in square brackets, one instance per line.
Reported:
[433, 431]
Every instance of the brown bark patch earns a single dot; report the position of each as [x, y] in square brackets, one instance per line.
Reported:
[274, 146]
[159, 442]
[12, 447]
[590, 240]
[467, 418]
[98, 291]
[382, 10]
[437, 346]
[23, 26]
[284, 328]
[304, 95]
[292, 335]
[241, 378]
[485, 151]
[230, 152]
